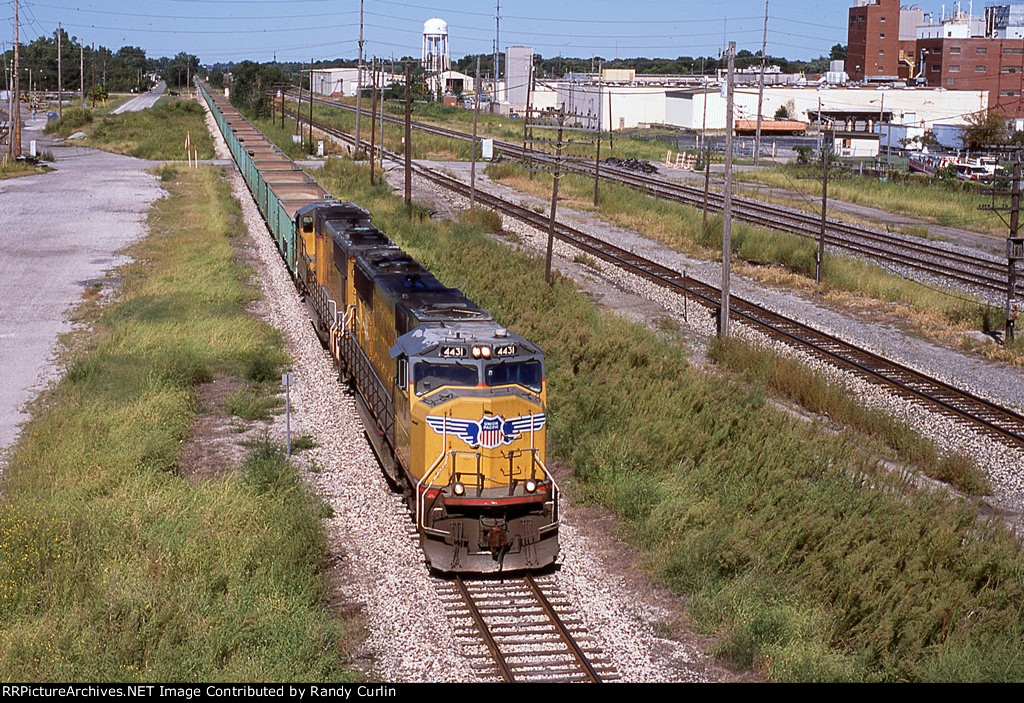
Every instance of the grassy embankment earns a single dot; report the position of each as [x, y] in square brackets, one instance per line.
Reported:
[156, 133]
[951, 204]
[808, 560]
[114, 566]
[853, 282]
[15, 169]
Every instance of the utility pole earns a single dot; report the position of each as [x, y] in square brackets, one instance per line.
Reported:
[760, 88]
[359, 80]
[497, 51]
[707, 187]
[283, 88]
[92, 85]
[554, 197]
[60, 73]
[472, 144]
[298, 108]
[819, 257]
[16, 112]
[1014, 244]
[527, 117]
[1014, 248]
[373, 119]
[408, 136]
[597, 156]
[310, 106]
[81, 73]
[723, 319]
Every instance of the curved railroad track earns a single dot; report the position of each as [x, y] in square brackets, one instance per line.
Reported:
[522, 629]
[961, 268]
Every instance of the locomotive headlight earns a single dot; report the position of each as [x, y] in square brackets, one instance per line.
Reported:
[485, 352]
[476, 352]
[459, 489]
[531, 486]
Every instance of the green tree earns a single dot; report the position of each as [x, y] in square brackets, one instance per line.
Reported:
[986, 128]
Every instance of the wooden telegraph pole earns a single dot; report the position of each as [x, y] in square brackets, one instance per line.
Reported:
[311, 151]
[60, 73]
[554, 197]
[760, 88]
[359, 80]
[373, 119]
[16, 112]
[723, 324]
[819, 262]
[408, 136]
[472, 144]
[597, 156]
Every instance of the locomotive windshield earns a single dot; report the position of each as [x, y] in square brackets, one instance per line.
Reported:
[431, 376]
[522, 373]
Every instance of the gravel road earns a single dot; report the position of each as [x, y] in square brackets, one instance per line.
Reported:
[59, 233]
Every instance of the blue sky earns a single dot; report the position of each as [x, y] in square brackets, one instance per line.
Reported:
[216, 30]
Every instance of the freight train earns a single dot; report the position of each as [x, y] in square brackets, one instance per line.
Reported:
[454, 405]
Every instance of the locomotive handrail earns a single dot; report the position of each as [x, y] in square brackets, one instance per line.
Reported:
[556, 519]
[421, 493]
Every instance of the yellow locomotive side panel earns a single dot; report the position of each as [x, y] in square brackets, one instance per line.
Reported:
[487, 440]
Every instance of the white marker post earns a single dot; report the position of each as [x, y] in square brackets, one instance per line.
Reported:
[286, 381]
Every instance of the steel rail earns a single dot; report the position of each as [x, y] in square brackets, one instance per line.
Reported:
[563, 631]
[984, 415]
[922, 256]
[485, 631]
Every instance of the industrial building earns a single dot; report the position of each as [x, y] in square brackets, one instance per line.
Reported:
[958, 51]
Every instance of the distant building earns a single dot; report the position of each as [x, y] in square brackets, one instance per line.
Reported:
[873, 40]
[958, 51]
[518, 74]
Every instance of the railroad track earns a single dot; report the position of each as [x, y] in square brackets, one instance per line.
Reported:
[522, 629]
[984, 416]
[921, 255]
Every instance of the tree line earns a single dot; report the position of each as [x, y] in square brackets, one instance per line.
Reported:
[125, 70]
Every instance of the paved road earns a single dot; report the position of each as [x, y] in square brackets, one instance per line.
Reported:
[146, 100]
[59, 232]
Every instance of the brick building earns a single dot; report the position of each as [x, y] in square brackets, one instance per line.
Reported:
[977, 63]
[873, 41]
[960, 52]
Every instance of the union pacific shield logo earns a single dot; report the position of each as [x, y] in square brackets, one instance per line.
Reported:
[490, 431]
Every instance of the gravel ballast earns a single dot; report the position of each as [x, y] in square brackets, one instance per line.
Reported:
[371, 534]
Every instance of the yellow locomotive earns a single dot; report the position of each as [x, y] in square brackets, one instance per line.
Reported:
[454, 405]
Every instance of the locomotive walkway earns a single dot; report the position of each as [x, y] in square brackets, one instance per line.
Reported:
[59, 233]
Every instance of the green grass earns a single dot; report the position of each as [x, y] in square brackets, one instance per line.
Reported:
[680, 227]
[113, 566]
[812, 391]
[156, 133]
[807, 559]
[17, 169]
[952, 204]
[255, 402]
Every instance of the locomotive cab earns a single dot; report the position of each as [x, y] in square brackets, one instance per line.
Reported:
[483, 498]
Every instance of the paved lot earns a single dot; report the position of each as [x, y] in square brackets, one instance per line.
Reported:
[58, 232]
[143, 101]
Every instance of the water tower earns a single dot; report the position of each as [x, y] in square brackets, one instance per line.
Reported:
[436, 54]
